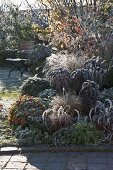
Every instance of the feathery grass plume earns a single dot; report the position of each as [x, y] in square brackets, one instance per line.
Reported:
[56, 119]
[64, 60]
[69, 102]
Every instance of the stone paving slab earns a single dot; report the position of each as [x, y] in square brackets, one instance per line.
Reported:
[19, 158]
[11, 165]
[2, 164]
[5, 158]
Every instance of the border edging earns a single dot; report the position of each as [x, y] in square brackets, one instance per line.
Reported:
[45, 148]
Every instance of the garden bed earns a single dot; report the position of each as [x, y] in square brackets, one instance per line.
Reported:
[46, 120]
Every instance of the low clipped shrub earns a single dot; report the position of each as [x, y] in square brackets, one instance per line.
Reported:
[78, 134]
[25, 107]
[25, 117]
[36, 133]
[33, 85]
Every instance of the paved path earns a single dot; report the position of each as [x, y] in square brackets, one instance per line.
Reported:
[58, 161]
[13, 82]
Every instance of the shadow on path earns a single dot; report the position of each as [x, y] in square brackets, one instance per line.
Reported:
[58, 161]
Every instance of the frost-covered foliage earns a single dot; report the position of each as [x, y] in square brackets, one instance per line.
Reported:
[77, 75]
[102, 116]
[88, 96]
[33, 85]
[80, 76]
[98, 68]
[25, 118]
[108, 78]
[25, 107]
[80, 104]
[106, 94]
[64, 60]
[46, 96]
[77, 134]
[36, 133]
[56, 119]
[60, 80]
[64, 101]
